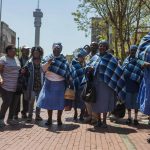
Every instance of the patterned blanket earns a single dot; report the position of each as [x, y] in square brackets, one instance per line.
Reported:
[143, 47]
[110, 72]
[77, 73]
[132, 69]
[59, 66]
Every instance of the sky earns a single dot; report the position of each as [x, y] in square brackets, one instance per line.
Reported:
[57, 23]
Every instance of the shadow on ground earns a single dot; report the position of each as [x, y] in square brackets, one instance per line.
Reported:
[141, 125]
[57, 129]
[113, 129]
[16, 127]
[65, 127]
[71, 119]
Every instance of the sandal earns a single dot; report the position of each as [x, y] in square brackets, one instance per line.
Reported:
[128, 121]
[148, 140]
[48, 122]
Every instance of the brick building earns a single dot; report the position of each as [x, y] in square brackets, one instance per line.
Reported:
[8, 36]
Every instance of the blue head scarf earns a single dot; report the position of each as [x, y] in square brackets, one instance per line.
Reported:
[82, 52]
[133, 48]
[143, 47]
[57, 44]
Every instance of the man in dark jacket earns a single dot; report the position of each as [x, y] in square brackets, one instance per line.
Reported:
[23, 59]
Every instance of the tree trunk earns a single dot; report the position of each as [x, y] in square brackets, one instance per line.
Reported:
[122, 46]
[137, 23]
[116, 44]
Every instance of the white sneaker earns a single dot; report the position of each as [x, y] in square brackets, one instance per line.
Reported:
[12, 122]
[2, 123]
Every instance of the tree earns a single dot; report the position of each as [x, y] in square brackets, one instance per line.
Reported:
[125, 16]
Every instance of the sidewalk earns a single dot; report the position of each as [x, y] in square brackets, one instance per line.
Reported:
[75, 135]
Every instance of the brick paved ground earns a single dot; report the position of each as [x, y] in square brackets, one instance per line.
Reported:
[74, 136]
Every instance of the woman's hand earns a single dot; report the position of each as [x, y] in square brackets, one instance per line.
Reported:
[50, 61]
[1, 70]
[146, 65]
[90, 69]
[1, 80]
[23, 71]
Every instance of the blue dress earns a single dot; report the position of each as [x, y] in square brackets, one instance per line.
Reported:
[144, 91]
[79, 103]
[52, 95]
[105, 97]
[132, 89]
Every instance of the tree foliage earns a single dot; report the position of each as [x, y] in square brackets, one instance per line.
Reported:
[127, 18]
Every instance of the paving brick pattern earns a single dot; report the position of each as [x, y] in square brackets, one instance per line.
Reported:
[75, 135]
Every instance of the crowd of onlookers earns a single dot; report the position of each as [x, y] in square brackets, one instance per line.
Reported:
[96, 77]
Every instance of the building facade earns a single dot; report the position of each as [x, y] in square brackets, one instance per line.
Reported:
[8, 36]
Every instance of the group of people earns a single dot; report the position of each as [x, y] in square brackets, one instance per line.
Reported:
[20, 77]
[44, 80]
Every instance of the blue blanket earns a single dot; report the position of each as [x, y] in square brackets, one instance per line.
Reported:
[144, 92]
[77, 73]
[132, 69]
[143, 47]
[110, 72]
[59, 65]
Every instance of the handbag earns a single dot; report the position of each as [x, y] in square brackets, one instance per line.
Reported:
[69, 94]
[89, 93]
[21, 83]
[68, 105]
[119, 110]
[67, 108]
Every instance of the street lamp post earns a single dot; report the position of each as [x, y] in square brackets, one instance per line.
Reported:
[0, 24]
[18, 42]
[18, 48]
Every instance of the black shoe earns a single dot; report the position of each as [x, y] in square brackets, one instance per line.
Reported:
[98, 124]
[16, 117]
[24, 116]
[129, 121]
[59, 123]
[104, 125]
[29, 118]
[136, 122]
[48, 122]
[81, 118]
[148, 140]
[75, 117]
[38, 118]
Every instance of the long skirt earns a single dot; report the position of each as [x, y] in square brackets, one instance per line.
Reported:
[78, 102]
[105, 98]
[144, 96]
[51, 96]
[131, 101]
[144, 91]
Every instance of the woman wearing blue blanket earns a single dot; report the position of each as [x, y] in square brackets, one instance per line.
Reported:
[143, 54]
[108, 80]
[133, 75]
[56, 71]
[77, 74]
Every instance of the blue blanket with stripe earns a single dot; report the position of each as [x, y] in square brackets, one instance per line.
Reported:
[110, 72]
[132, 69]
[143, 47]
[77, 73]
[59, 65]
